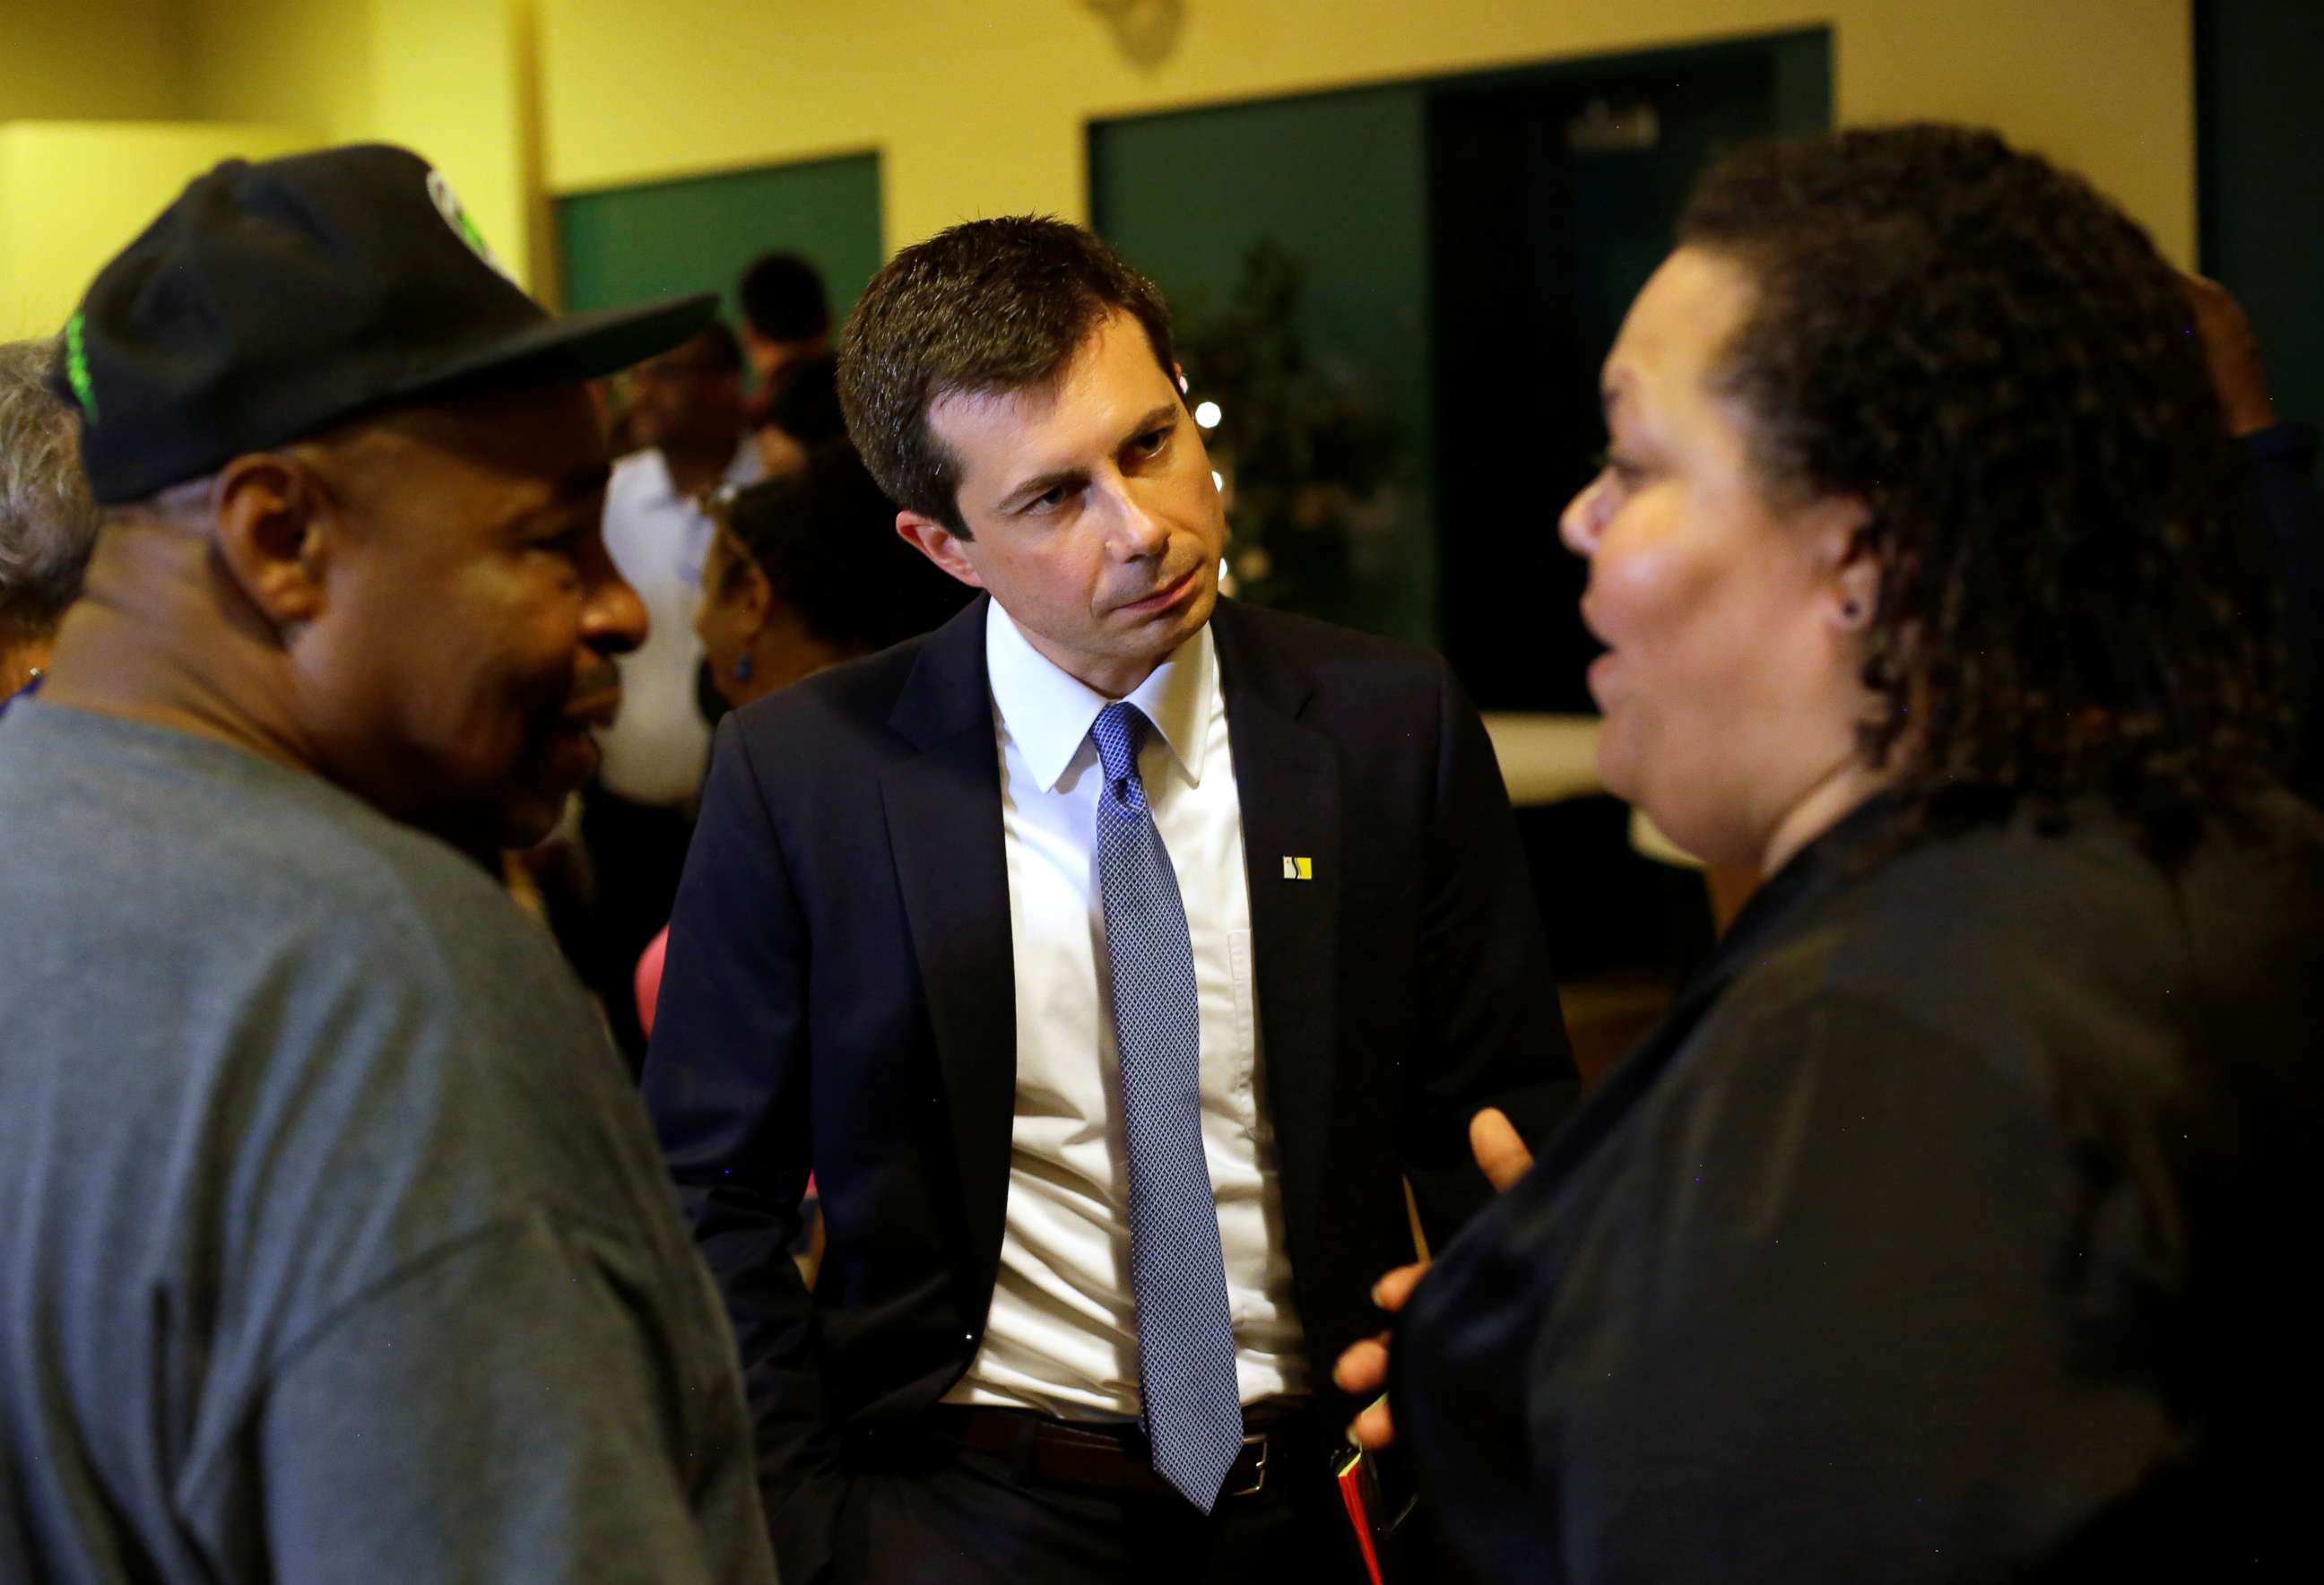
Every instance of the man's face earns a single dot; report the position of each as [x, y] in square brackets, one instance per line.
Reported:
[1094, 518]
[464, 646]
[687, 398]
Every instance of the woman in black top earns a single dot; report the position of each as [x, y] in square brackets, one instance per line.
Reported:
[1952, 1227]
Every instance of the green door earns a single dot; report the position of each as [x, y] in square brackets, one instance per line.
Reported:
[668, 238]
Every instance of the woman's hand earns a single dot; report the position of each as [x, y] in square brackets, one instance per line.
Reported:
[1502, 1156]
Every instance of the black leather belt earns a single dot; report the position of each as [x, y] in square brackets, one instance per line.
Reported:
[1108, 1457]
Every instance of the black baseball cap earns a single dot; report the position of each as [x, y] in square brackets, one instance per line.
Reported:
[276, 299]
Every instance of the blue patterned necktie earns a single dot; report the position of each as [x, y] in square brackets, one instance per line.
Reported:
[1186, 1336]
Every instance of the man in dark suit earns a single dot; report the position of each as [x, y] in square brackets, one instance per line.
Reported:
[1111, 956]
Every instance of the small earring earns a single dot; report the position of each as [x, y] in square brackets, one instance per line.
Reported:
[1850, 610]
[743, 668]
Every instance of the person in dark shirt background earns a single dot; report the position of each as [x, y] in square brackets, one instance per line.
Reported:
[786, 321]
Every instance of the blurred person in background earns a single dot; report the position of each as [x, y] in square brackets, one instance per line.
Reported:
[47, 522]
[802, 416]
[1951, 1226]
[684, 414]
[805, 571]
[786, 338]
[337, 1246]
[808, 571]
[786, 320]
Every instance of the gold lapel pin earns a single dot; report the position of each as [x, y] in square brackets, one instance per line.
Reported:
[1298, 868]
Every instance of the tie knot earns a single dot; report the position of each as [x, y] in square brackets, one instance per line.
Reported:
[1119, 733]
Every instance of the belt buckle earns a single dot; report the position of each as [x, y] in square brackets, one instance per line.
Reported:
[1259, 1475]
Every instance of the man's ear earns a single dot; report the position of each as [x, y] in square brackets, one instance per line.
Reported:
[270, 513]
[939, 544]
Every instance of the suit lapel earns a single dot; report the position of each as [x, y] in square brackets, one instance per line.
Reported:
[1287, 778]
[942, 808]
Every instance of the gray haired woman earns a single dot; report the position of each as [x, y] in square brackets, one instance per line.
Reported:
[47, 522]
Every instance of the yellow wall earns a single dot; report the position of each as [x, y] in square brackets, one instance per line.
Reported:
[303, 63]
[976, 107]
[445, 79]
[72, 194]
[450, 79]
[103, 58]
[981, 106]
[254, 78]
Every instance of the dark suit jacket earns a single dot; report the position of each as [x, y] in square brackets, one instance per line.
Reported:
[1952, 1227]
[840, 996]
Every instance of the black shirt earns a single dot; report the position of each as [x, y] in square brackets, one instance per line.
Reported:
[1950, 1228]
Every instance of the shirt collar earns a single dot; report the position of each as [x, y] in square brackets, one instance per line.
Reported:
[1049, 712]
[744, 469]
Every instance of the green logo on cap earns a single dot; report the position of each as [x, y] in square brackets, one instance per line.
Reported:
[77, 368]
[456, 215]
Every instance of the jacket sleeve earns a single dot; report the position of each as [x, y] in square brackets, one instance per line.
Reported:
[727, 1080]
[1495, 1034]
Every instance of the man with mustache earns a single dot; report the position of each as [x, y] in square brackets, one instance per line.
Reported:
[1110, 955]
[335, 1247]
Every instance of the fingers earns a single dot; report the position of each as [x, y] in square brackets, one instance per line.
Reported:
[1392, 1290]
[1364, 1369]
[1372, 1429]
[1361, 1371]
[1500, 1150]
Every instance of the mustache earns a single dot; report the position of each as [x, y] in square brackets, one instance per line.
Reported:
[604, 678]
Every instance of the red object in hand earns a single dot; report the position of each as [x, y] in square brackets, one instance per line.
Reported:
[1359, 1519]
[648, 980]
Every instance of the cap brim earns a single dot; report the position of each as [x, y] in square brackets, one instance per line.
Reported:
[576, 347]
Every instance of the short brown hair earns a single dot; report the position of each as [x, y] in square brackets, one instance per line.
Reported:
[48, 523]
[992, 306]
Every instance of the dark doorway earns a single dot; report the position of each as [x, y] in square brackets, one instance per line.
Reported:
[2257, 122]
[1553, 196]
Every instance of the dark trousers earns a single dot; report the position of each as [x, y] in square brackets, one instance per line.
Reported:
[925, 1512]
[637, 852]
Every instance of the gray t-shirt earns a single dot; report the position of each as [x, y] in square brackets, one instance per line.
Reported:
[333, 1244]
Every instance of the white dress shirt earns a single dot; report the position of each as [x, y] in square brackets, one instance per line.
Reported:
[1063, 1335]
[655, 752]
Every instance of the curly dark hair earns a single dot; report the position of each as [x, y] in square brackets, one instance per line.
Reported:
[826, 540]
[990, 306]
[1999, 362]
